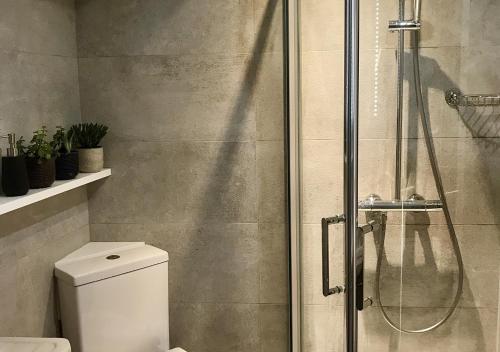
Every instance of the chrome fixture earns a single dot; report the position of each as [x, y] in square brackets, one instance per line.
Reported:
[410, 205]
[325, 223]
[361, 231]
[407, 25]
[455, 98]
[353, 268]
[416, 201]
[404, 25]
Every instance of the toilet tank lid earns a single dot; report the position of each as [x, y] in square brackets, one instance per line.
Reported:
[102, 260]
[33, 344]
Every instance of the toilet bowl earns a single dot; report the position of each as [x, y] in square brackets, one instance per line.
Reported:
[32, 344]
[113, 296]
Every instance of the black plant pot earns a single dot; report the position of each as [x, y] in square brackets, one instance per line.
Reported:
[41, 172]
[14, 176]
[67, 166]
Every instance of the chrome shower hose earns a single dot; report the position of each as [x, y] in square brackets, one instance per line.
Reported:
[442, 196]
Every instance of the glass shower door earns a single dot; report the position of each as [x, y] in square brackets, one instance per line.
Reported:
[428, 176]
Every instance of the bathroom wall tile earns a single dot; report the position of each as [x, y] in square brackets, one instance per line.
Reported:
[181, 97]
[420, 258]
[270, 181]
[273, 263]
[8, 24]
[38, 225]
[36, 311]
[40, 27]
[376, 161]
[321, 179]
[274, 328]
[321, 25]
[221, 327]
[269, 97]
[478, 74]
[442, 23]
[323, 328]
[467, 330]
[207, 262]
[268, 24]
[322, 95]
[440, 71]
[31, 241]
[46, 27]
[377, 103]
[157, 27]
[480, 26]
[468, 168]
[196, 181]
[38, 90]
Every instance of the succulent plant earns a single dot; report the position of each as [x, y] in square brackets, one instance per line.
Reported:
[88, 135]
[62, 142]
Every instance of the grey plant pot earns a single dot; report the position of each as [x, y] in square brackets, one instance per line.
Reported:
[91, 159]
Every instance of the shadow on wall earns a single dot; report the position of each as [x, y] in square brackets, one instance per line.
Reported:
[213, 196]
[417, 293]
[32, 239]
[425, 290]
[482, 122]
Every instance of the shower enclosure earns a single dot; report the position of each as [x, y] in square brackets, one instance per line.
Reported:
[394, 175]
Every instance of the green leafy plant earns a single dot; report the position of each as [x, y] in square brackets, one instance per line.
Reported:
[39, 147]
[88, 135]
[62, 142]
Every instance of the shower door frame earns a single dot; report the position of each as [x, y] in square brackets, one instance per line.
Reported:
[353, 266]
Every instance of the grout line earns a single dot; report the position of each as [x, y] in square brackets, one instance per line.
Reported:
[24, 52]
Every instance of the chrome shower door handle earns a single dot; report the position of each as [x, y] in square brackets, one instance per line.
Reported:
[372, 226]
[325, 224]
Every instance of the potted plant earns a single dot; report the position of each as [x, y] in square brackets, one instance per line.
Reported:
[39, 159]
[88, 136]
[66, 158]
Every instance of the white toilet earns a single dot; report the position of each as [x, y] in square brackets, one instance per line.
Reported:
[114, 297]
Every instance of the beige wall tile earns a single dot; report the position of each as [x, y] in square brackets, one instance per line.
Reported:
[39, 86]
[193, 181]
[274, 328]
[118, 27]
[322, 94]
[323, 328]
[270, 182]
[480, 26]
[162, 98]
[37, 34]
[32, 239]
[269, 97]
[221, 327]
[321, 179]
[273, 263]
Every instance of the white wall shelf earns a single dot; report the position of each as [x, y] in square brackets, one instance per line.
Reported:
[8, 204]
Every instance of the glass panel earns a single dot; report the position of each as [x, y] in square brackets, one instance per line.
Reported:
[413, 266]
